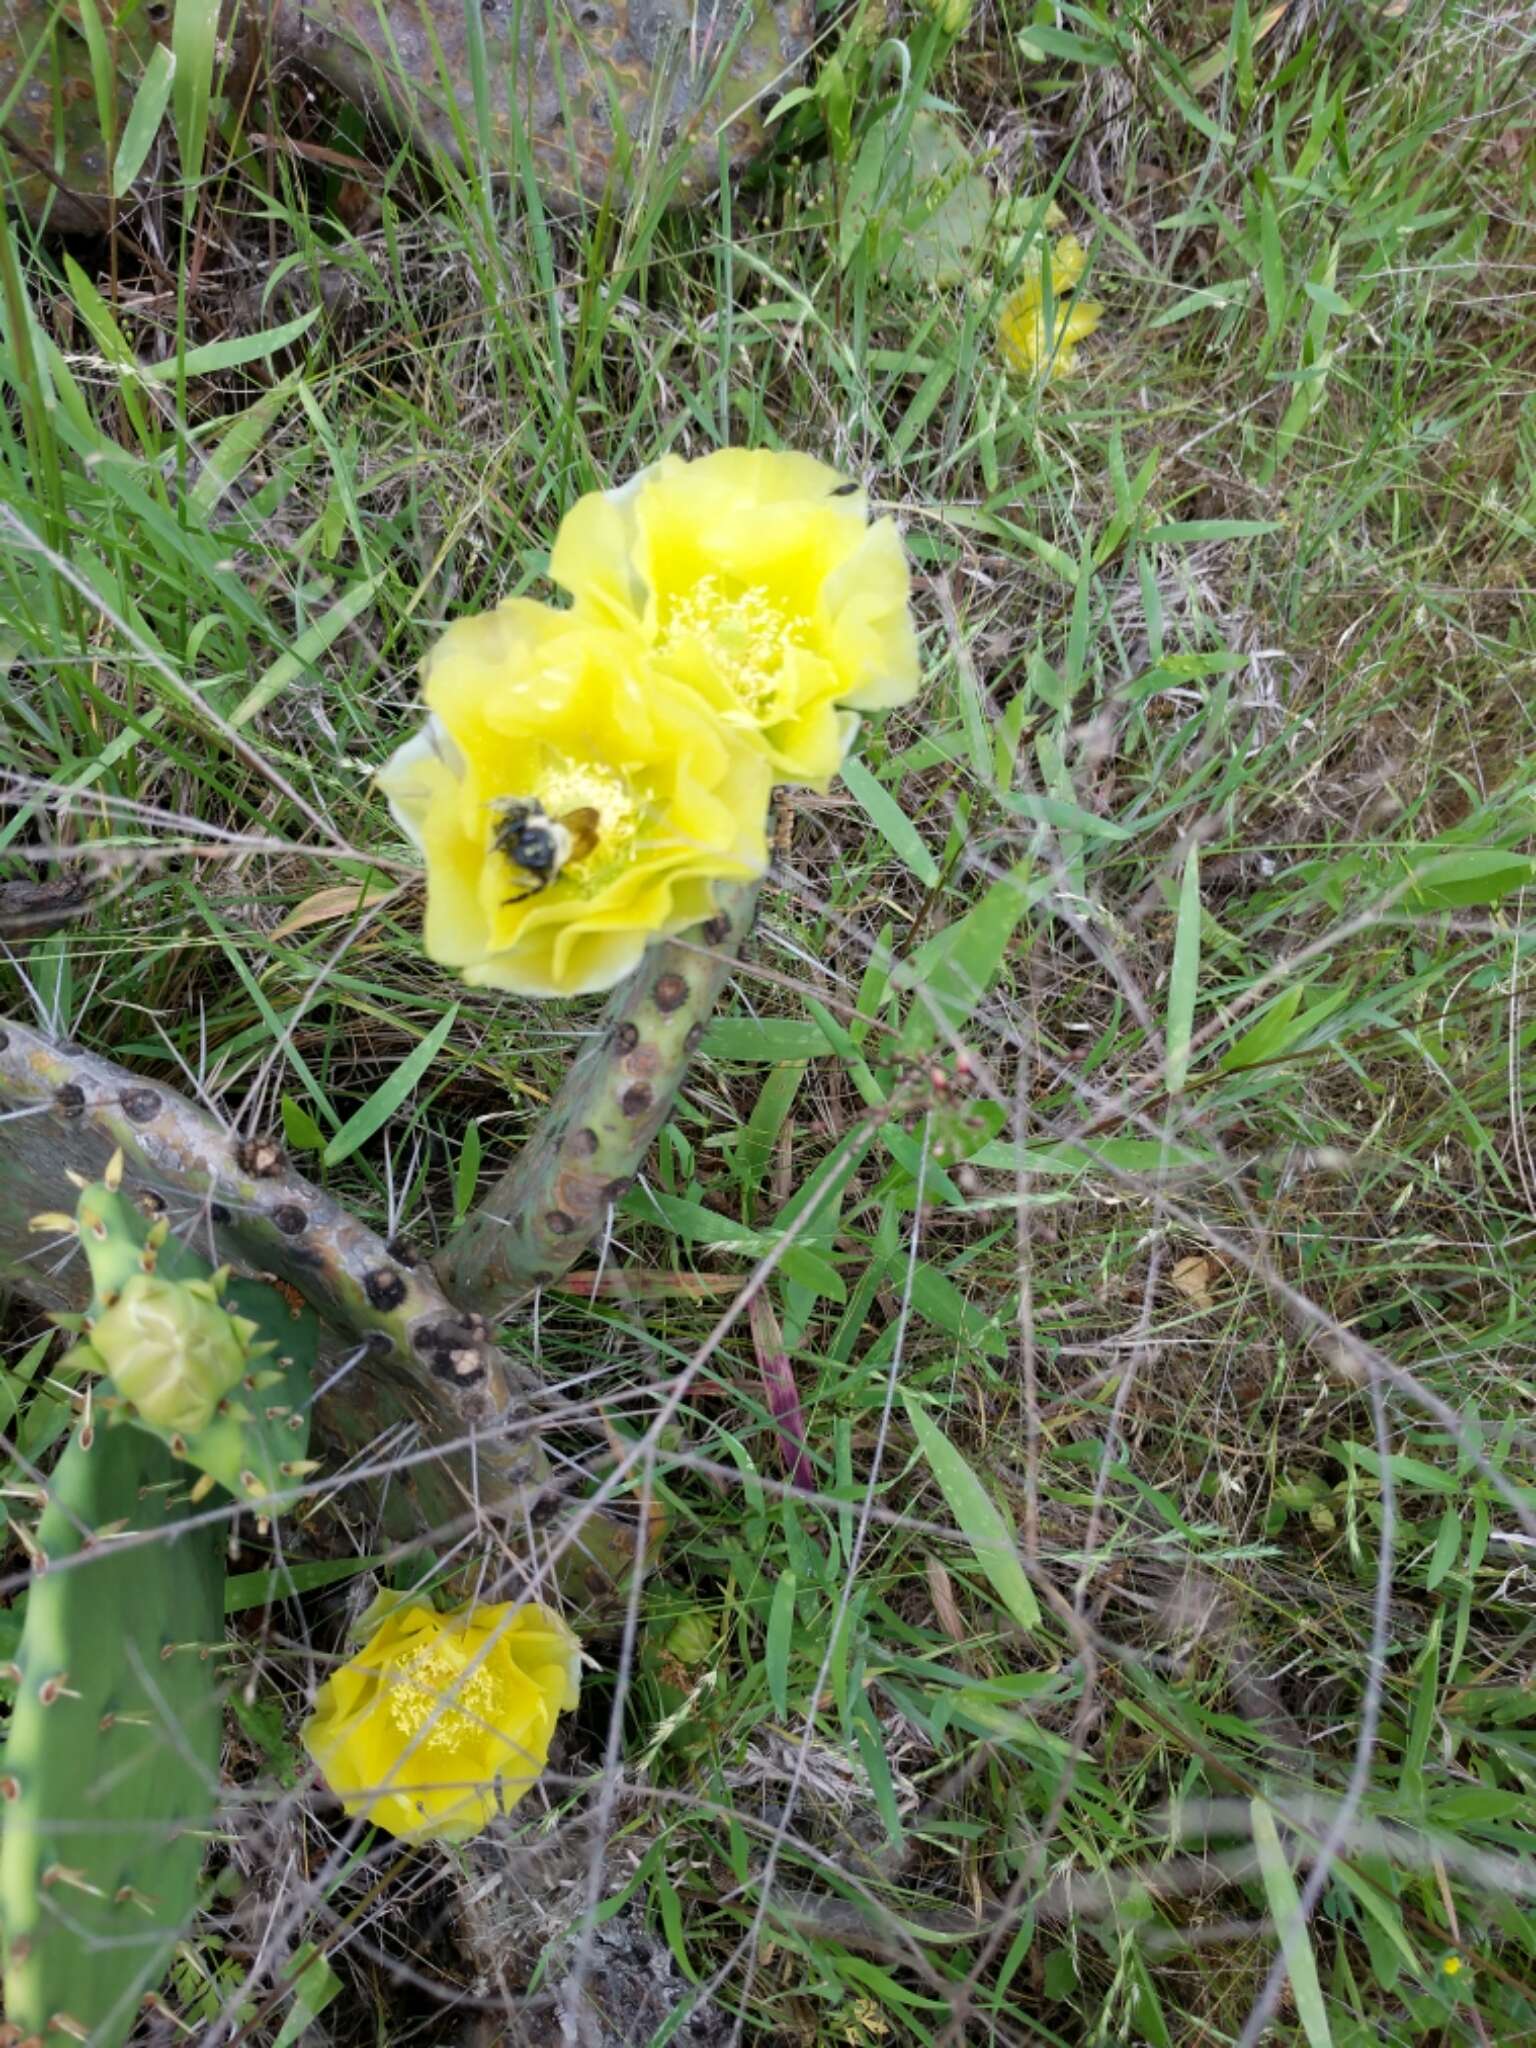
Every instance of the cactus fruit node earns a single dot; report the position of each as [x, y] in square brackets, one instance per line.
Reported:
[174, 1341]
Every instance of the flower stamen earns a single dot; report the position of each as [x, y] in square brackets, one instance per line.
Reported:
[418, 1699]
[746, 632]
[569, 786]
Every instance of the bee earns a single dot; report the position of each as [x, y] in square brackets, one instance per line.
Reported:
[540, 845]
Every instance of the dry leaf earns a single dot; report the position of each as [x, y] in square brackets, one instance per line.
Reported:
[328, 904]
[942, 1592]
[1193, 1277]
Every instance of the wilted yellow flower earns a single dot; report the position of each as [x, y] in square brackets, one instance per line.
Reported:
[442, 1721]
[1022, 333]
[758, 580]
[571, 801]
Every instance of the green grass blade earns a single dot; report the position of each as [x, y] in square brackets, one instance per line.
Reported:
[1285, 1907]
[384, 1101]
[980, 1520]
[144, 118]
[1184, 977]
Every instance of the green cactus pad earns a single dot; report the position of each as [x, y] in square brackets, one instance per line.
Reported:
[596, 87]
[257, 1442]
[109, 1779]
[55, 158]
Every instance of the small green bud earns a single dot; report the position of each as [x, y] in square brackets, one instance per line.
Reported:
[171, 1350]
[691, 1638]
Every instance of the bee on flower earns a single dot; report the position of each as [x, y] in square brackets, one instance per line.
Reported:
[589, 778]
[571, 801]
[1039, 339]
[441, 1722]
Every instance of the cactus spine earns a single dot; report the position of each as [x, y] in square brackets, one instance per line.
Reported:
[110, 1773]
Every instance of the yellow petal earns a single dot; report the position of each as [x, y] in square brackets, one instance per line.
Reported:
[441, 1721]
[1028, 346]
[755, 579]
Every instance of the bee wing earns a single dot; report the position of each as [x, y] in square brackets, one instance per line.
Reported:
[582, 825]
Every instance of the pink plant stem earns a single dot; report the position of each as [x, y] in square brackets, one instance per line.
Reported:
[783, 1396]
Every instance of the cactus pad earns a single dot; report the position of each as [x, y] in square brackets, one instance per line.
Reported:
[595, 86]
[555, 1198]
[54, 153]
[109, 1778]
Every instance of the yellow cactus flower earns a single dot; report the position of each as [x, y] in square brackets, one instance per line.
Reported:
[1027, 344]
[442, 1721]
[571, 802]
[756, 579]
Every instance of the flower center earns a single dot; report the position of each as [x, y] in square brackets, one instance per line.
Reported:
[417, 1705]
[569, 787]
[575, 824]
[745, 631]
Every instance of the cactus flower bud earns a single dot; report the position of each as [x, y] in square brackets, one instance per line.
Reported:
[171, 1350]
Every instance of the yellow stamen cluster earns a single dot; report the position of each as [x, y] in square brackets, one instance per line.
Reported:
[745, 632]
[433, 1692]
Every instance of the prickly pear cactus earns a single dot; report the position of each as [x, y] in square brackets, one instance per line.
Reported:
[218, 1369]
[54, 154]
[594, 87]
[109, 1779]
